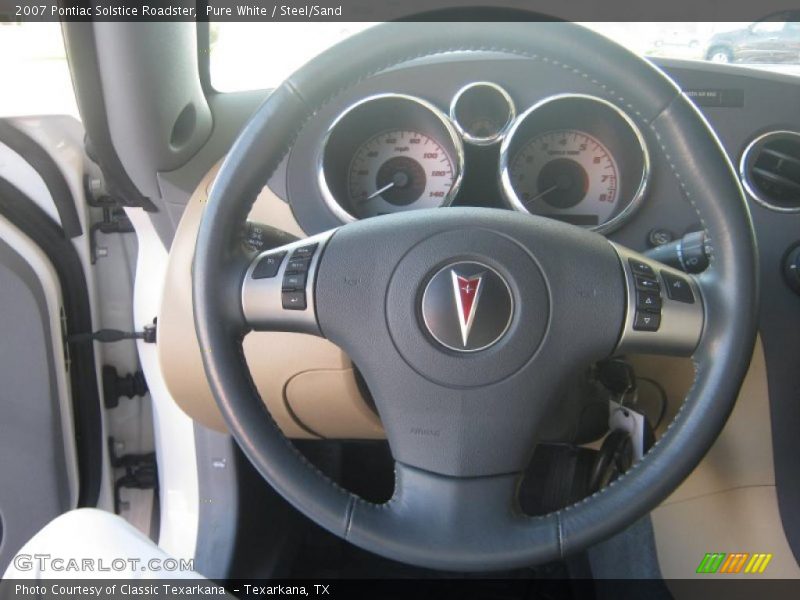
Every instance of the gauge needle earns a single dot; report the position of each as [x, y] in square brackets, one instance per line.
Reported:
[540, 194]
[379, 192]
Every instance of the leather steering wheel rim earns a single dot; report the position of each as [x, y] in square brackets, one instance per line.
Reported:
[404, 532]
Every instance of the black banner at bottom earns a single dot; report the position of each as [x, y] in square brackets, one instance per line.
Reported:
[416, 589]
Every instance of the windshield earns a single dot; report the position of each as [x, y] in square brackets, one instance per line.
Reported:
[282, 48]
[35, 71]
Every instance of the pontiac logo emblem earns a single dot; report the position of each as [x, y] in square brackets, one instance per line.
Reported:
[467, 306]
[468, 292]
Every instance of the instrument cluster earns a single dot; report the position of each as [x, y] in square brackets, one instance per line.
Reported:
[573, 157]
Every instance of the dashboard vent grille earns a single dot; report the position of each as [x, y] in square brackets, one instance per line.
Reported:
[770, 170]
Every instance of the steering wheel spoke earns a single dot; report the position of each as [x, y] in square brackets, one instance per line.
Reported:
[278, 287]
[459, 516]
[664, 307]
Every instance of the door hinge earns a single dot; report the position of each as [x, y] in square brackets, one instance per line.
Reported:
[141, 472]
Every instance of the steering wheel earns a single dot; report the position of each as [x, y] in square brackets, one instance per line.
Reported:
[466, 322]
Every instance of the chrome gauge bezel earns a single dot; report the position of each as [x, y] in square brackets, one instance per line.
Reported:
[454, 139]
[510, 195]
[478, 140]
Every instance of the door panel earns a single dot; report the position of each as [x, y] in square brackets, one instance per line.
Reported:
[51, 425]
[36, 428]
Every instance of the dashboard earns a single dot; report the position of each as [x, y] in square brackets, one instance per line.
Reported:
[528, 134]
[484, 129]
[533, 135]
[519, 134]
[507, 129]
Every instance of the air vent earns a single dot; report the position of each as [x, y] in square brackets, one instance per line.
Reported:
[770, 170]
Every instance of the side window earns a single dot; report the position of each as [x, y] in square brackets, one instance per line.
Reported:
[36, 77]
[768, 27]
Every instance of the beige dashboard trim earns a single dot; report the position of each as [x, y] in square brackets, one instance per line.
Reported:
[742, 454]
[317, 398]
[315, 373]
[729, 502]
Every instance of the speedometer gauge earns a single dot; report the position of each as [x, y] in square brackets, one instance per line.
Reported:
[389, 153]
[567, 174]
[398, 170]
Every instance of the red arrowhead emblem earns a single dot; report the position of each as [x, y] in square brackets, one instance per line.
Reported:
[467, 292]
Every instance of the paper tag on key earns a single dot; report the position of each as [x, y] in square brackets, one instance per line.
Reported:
[622, 418]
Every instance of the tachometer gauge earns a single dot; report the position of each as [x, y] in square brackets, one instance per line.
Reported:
[567, 174]
[398, 170]
[576, 158]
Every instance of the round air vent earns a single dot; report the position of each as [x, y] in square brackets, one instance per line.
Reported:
[770, 170]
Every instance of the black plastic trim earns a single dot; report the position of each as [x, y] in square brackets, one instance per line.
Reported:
[218, 482]
[36, 224]
[204, 52]
[79, 41]
[38, 158]
[779, 324]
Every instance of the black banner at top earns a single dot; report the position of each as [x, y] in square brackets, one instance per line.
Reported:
[388, 10]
